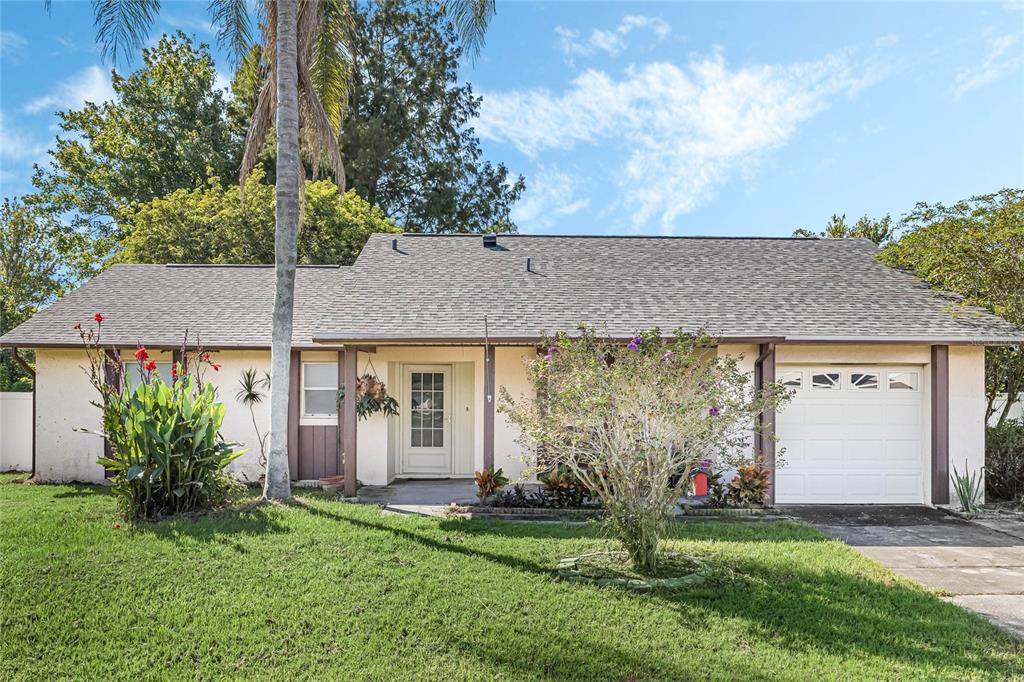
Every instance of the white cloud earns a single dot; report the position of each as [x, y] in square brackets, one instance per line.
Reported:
[672, 134]
[1002, 57]
[17, 144]
[611, 42]
[221, 82]
[11, 43]
[550, 194]
[91, 84]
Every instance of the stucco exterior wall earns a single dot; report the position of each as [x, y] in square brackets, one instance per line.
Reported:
[63, 396]
[15, 431]
[966, 411]
[237, 426]
[746, 356]
[510, 374]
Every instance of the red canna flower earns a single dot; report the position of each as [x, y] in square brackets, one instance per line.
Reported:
[141, 354]
[216, 367]
[150, 366]
[206, 357]
[174, 372]
[98, 317]
[78, 327]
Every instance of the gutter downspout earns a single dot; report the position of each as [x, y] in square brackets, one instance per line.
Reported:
[20, 361]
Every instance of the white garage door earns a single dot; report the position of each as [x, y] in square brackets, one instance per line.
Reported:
[852, 435]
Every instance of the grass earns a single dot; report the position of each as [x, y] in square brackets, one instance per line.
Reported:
[322, 589]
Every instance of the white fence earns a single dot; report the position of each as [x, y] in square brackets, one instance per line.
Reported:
[15, 431]
[1016, 410]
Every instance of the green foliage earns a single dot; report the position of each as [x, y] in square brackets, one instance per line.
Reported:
[880, 231]
[749, 487]
[211, 225]
[38, 259]
[973, 248]
[250, 393]
[967, 486]
[631, 420]
[371, 397]
[167, 454]
[165, 130]
[489, 482]
[409, 145]
[565, 489]
[1004, 460]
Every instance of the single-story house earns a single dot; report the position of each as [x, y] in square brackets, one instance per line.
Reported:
[888, 376]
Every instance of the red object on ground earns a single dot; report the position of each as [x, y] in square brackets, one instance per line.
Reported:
[700, 485]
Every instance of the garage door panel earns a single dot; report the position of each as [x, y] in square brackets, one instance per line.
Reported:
[852, 445]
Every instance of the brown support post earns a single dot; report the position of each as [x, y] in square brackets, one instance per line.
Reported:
[348, 419]
[112, 377]
[764, 374]
[294, 414]
[489, 398]
[940, 424]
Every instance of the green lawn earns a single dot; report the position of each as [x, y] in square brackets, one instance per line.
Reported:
[322, 589]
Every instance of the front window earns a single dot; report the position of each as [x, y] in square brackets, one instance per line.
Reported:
[826, 381]
[319, 389]
[133, 375]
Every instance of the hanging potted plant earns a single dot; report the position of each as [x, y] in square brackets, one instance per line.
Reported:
[371, 395]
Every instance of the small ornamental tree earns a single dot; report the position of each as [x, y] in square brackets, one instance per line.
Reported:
[633, 420]
[165, 451]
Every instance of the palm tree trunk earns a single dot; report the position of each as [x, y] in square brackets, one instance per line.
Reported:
[286, 232]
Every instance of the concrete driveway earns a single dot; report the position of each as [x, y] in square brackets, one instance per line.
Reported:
[980, 563]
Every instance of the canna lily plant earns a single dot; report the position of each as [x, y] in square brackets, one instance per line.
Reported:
[165, 449]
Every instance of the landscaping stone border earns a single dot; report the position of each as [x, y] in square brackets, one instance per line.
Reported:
[727, 511]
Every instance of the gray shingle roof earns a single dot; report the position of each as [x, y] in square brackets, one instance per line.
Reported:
[441, 287]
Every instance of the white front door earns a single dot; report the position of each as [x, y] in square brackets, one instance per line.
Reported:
[426, 423]
[852, 435]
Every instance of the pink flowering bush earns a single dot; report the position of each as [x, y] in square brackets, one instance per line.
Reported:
[633, 420]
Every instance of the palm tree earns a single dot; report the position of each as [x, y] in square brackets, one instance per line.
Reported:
[304, 43]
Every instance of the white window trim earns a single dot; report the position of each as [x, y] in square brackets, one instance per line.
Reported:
[834, 387]
[915, 372]
[878, 380]
[799, 376]
[316, 419]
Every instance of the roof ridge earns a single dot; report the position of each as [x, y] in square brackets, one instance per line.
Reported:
[611, 236]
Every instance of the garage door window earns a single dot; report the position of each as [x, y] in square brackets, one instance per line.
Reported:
[903, 381]
[792, 380]
[864, 381]
[826, 381]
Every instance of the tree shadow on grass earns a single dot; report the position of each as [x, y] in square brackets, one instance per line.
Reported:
[789, 606]
[83, 490]
[219, 526]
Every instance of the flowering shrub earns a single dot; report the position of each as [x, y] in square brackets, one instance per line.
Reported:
[165, 448]
[631, 421]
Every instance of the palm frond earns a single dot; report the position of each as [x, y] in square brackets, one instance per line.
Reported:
[123, 25]
[470, 19]
[234, 30]
[259, 128]
[330, 65]
[320, 128]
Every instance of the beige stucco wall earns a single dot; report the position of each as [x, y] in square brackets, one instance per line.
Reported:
[746, 356]
[966, 410]
[510, 374]
[63, 395]
[237, 426]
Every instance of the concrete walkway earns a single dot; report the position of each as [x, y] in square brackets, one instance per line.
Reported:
[981, 564]
[425, 497]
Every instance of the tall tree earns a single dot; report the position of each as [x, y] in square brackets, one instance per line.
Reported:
[37, 258]
[166, 129]
[304, 44]
[975, 248]
[408, 140]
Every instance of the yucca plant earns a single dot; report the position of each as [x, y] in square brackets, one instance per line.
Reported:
[967, 486]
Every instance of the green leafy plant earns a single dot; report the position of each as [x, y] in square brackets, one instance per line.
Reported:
[489, 482]
[1004, 460]
[371, 397]
[564, 488]
[967, 486]
[717, 490]
[632, 418]
[165, 452]
[250, 394]
[749, 486]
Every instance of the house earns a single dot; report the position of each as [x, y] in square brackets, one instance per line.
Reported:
[888, 376]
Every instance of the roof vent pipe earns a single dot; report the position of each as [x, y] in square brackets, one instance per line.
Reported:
[394, 245]
[490, 241]
[528, 264]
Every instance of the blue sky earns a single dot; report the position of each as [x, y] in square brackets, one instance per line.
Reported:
[666, 118]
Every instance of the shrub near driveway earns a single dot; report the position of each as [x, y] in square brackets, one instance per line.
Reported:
[324, 590]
